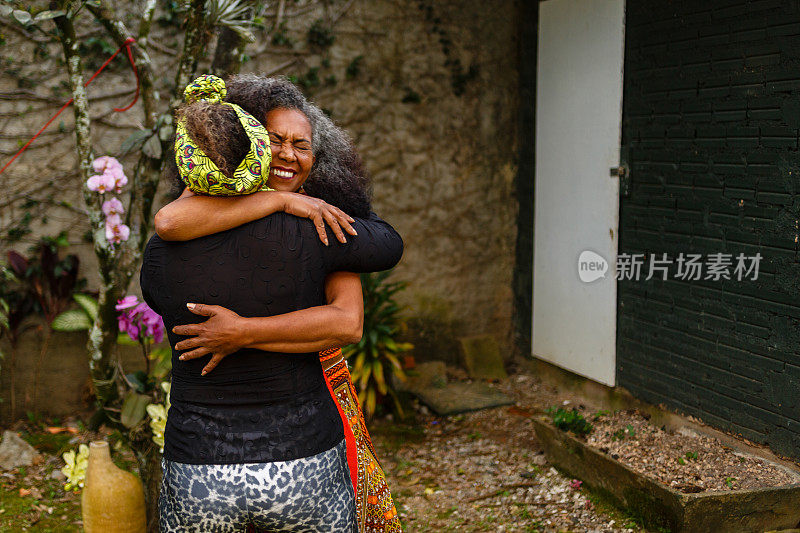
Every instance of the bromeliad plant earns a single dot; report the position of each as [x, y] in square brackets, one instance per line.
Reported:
[374, 360]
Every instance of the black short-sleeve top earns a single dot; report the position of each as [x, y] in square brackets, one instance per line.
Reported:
[255, 406]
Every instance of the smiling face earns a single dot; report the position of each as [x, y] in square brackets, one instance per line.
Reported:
[290, 141]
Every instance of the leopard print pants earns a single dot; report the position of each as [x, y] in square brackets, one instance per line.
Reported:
[312, 494]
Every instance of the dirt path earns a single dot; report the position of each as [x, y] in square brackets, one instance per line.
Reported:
[478, 472]
[485, 471]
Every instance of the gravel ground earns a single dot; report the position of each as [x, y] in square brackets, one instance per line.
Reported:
[685, 461]
[477, 472]
[484, 471]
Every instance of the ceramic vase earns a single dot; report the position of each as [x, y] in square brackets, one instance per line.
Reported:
[113, 499]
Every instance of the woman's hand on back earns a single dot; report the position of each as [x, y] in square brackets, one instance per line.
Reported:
[219, 336]
[320, 212]
[337, 323]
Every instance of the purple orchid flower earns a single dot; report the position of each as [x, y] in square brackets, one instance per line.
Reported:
[138, 320]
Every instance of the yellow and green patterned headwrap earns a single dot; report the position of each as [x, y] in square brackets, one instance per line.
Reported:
[200, 174]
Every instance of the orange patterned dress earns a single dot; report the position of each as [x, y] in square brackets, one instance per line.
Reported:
[375, 510]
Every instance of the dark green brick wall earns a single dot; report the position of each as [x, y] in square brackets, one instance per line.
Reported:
[710, 119]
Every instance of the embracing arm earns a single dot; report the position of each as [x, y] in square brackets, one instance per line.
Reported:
[336, 324]
[192, 215]
[375, 247]
[309, 330]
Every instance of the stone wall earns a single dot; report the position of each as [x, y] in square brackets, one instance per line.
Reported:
[51, 375]
[434, 113]
[429, 92]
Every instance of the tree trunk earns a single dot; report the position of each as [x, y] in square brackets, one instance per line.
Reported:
[140, 218]
[149, 459]
[103, 334]
[228, 55]
[102, 338]
[194, 45]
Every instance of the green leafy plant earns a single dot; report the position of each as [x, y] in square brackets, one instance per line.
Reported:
[16, 303]
[374, 360]
[689, 456]
[94, 49]
[10, 315]
[569, 420]
[41, 283]
[354, 68]
[80, 319]
[320, 34]
[172, 13]
[600, 414]
[280, 36]
[621, 434]
[730, 482]
[310, 79]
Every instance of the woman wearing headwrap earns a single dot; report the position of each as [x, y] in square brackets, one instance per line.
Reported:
[292, 140]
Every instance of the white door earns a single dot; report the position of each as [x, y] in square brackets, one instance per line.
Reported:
[578, 126]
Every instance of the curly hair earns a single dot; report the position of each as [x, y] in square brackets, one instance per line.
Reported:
[338, 175]
[217, 130]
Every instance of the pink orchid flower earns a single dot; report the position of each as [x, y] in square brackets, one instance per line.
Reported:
[113, 220]
[116, 233]
[102, 164]
[113, 207]
[125, 303]
[101, 183]
[120, 180]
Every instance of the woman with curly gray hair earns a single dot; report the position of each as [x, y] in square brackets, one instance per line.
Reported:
[338, 175]
[315, 173]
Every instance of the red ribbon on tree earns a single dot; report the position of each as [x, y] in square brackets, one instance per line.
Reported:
[127, 45]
